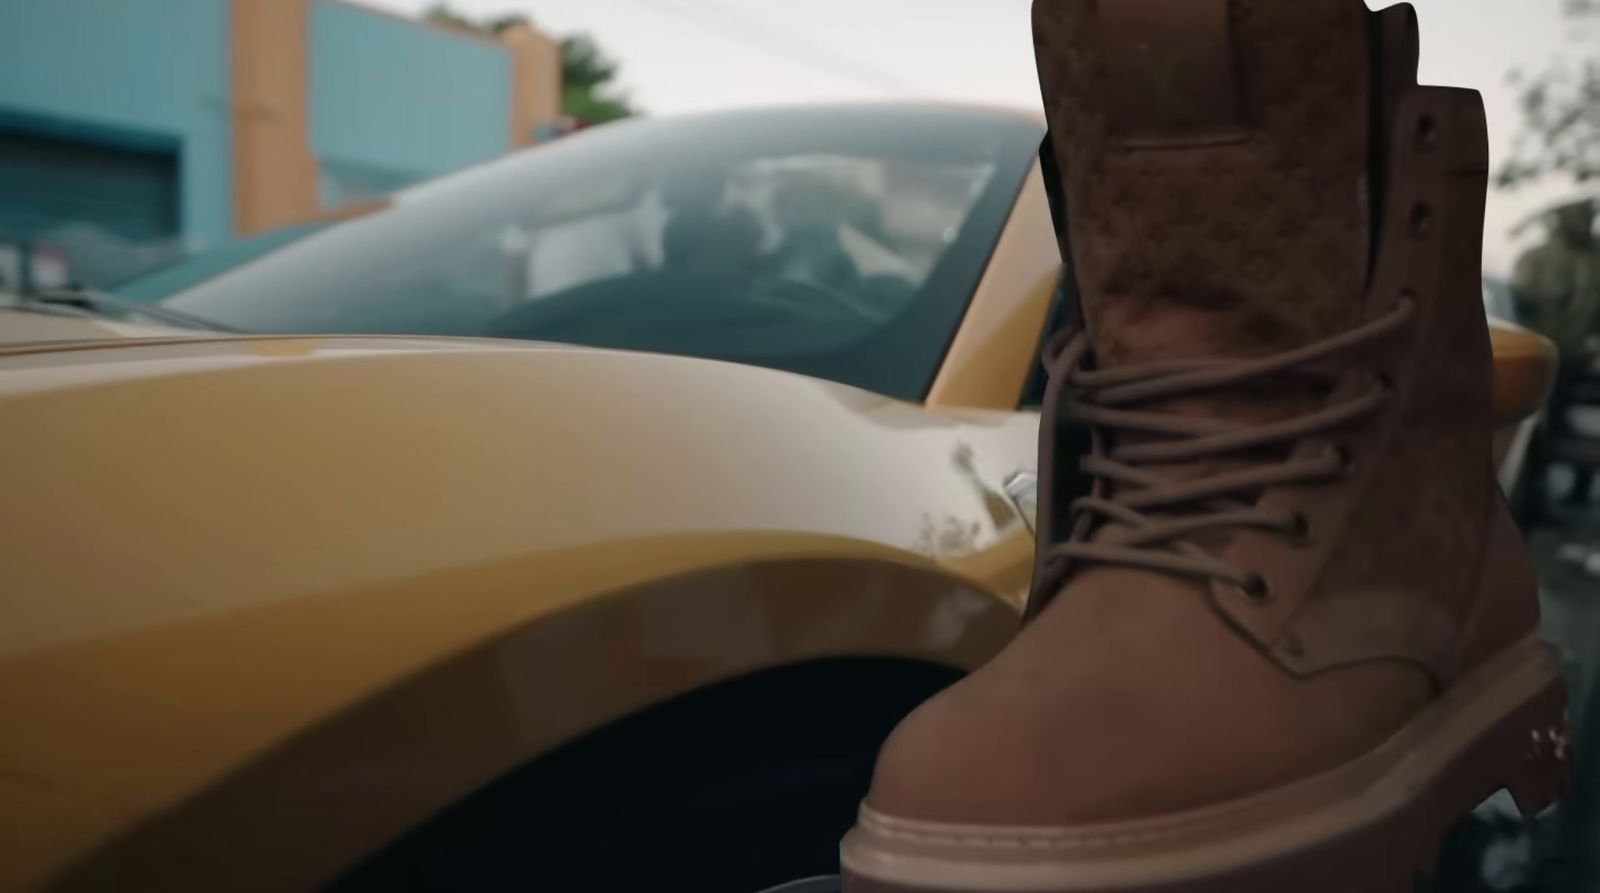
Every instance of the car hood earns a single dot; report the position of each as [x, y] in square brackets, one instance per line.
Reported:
[183, 512]
[157, 481]
[160, 480]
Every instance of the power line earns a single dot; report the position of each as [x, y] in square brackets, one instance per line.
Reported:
[744, 31]
[863, 69]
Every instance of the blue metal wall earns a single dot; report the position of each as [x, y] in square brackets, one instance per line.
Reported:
[393, 103]
[151, 74]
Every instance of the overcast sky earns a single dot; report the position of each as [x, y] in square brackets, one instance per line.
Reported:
[692, 55]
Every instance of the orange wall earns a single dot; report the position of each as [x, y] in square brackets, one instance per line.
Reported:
[276, 176]
[536, 81]
[274, 172]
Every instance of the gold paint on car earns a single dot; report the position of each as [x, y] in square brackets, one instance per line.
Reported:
[1524, 371]
[989, 361]
[216, 550]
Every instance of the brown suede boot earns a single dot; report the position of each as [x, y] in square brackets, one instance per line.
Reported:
[1285, 634]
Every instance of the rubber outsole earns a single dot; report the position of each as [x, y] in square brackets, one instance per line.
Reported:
[1374, 824]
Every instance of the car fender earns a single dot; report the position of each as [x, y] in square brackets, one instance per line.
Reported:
[329, 585]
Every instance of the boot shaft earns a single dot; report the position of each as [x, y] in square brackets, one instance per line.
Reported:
[1230, 226]
[1311, 189]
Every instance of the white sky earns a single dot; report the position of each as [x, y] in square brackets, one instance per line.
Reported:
[692, 55]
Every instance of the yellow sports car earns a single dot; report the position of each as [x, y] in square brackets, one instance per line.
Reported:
[363, 611]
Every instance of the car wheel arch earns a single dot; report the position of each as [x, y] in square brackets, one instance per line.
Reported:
[517, 827]
[311, 807]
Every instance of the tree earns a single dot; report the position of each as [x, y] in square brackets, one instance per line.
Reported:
[588, 76]
[442, 14]
[1560, 115]
[587, 79]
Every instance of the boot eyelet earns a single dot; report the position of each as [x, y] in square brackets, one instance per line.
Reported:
[1299, 531]
[1421, 219]
[1257, 589]
[1427, 133]
[1347, 459]
[1292, 646]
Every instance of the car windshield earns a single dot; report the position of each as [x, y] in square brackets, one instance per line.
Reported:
[840, 243]
[173, 278]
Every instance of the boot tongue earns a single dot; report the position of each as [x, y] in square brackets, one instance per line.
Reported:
[1215, 155]
[1212, 158]
[1195, 322]
[1188, 263]
[1180, 258]
[1162, 328]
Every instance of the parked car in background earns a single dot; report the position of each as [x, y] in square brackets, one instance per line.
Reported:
[306, 589]
[1497, 300]
[1529, 450]
[1525, 363]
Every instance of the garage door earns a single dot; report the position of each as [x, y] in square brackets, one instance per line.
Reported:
[90, 213]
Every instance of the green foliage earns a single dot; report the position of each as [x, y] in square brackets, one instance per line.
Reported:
[588, 75]
[501, 23]
[442, 14]
[592, 108]
[1560, 115]
[584, 65]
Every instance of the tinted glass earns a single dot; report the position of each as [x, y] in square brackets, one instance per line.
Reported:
[841, 243]
[204, 265]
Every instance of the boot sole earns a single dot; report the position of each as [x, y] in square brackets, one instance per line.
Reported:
[1374, 824]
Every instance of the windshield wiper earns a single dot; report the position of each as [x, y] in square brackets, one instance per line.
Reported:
[108, 306]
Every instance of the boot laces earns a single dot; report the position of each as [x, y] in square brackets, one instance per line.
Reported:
[1140, 500]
